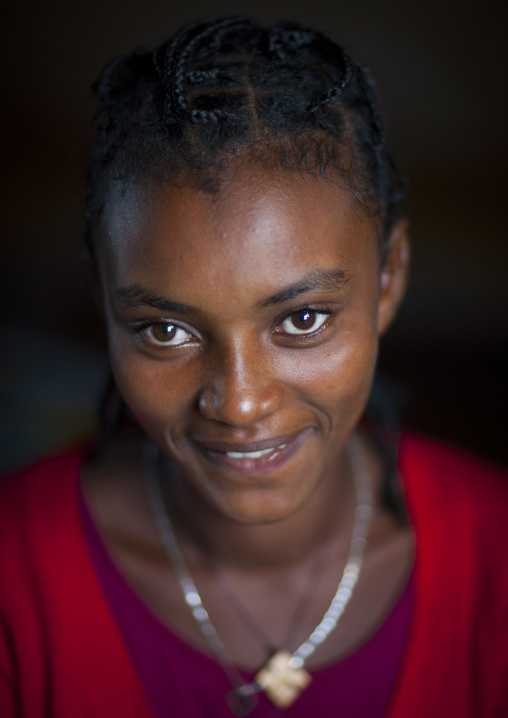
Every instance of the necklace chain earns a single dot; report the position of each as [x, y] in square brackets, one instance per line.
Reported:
[283, 677]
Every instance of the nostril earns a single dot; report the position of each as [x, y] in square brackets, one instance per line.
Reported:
[206, 404]
[239, 408]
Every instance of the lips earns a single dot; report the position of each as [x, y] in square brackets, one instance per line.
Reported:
[263, 455]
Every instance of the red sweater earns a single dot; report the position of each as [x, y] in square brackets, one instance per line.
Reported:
[61, 654]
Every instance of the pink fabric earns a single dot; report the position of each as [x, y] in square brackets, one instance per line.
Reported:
[178, 678]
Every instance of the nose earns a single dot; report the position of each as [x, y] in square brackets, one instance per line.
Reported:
[241, 388]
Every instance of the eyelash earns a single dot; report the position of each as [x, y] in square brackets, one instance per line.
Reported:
[141, 330]
[324, 311]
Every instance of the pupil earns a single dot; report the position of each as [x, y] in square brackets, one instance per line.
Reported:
[163, 332]
[304, 320]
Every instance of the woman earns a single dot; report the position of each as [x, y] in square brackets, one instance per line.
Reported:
[240, 542]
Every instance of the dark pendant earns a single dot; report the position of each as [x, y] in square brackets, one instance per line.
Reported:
[242, 700]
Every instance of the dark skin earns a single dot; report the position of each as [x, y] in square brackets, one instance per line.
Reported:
[242, 322]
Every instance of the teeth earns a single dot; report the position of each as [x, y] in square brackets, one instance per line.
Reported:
[252, 454]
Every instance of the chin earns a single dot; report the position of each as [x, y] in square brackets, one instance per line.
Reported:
[257, 507]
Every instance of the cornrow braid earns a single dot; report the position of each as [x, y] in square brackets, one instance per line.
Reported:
[171, 60]
[225, 89]
[288, 36]
[338, 88]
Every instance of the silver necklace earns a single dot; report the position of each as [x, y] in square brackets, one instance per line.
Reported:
[283, 677]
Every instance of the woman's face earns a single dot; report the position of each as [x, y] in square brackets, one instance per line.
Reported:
[243, 330]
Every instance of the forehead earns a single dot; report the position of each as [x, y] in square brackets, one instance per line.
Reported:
[266, 227]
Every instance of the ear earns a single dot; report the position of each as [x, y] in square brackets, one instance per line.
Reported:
[394, 275]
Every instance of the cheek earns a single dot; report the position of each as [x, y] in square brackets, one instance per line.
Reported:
[338, 376]
[155, 391]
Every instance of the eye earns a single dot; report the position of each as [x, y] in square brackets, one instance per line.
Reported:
[163, 334]
[305, 321]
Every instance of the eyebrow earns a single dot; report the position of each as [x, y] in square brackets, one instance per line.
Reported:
[327, 280]
[135, 296]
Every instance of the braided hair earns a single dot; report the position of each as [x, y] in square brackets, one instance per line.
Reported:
[225, 91]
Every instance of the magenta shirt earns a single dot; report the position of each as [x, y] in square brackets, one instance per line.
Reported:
[181, 681]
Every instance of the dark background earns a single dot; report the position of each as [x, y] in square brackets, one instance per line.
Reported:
[441, 71]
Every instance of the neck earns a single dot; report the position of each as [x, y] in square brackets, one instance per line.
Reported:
[326, 516]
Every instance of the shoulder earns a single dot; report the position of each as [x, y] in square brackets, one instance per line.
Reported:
[40, 532]
[445, 470]
[31, 498]
[451, 492]
[47, 471]
[456, 660]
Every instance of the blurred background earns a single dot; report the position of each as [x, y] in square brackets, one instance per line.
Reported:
[441, 72]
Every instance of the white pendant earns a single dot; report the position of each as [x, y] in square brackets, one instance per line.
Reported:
[280, 682]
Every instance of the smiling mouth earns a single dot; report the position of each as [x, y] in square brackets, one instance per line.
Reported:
[259, 456]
